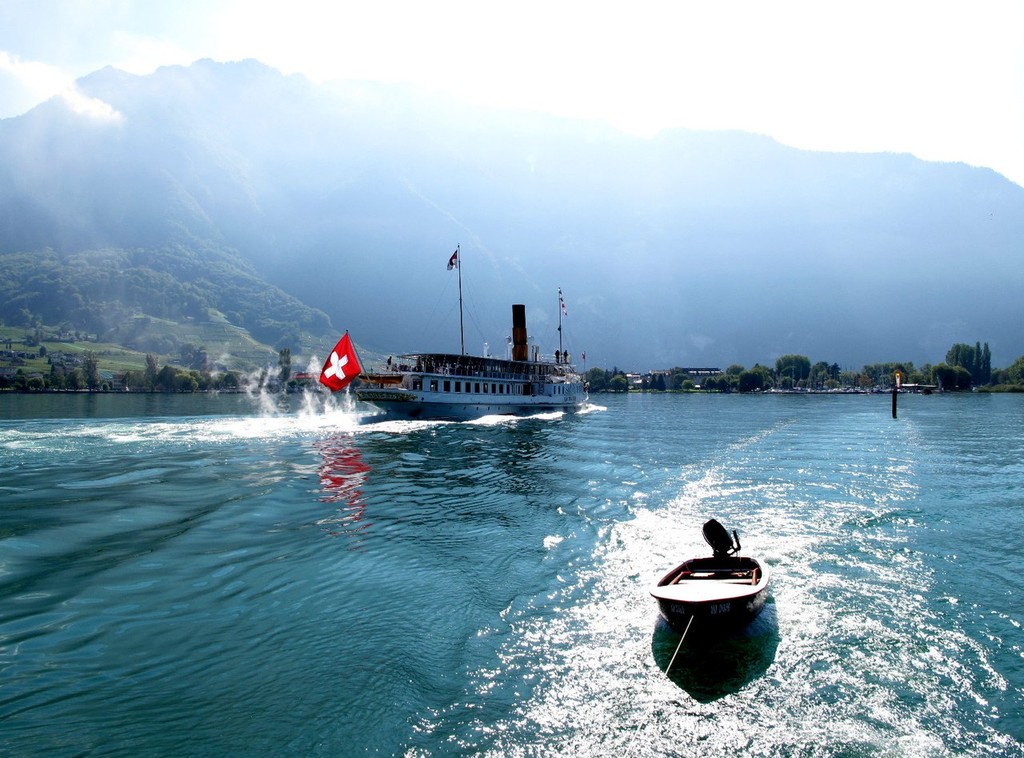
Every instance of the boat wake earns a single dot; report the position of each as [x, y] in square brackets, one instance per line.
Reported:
[506, 420]
[841, 635]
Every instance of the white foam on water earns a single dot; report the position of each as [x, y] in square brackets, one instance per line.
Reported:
[854, 661]
[316, 415]
[494, 420]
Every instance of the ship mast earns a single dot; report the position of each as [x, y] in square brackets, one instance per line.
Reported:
[561, 310]
[458, 265]
[456, 262]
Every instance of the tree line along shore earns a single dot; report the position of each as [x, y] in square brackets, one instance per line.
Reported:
[30, 365]
[966, 367]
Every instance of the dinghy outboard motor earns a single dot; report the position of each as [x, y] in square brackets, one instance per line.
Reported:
[717, 536]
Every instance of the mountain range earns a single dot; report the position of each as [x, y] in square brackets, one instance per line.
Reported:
[294, 211]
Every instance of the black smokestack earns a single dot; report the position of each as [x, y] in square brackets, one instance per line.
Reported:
[519, 348]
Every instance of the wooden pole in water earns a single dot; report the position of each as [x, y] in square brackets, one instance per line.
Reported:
[895, 390]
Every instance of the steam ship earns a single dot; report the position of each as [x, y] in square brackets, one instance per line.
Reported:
[458, 387]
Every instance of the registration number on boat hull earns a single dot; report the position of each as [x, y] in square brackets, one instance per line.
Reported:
[385, 396]
[710, 609]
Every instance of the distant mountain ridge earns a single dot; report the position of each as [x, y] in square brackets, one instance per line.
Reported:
[341, 204]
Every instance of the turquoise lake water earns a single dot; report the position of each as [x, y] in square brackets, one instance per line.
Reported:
[224, 576]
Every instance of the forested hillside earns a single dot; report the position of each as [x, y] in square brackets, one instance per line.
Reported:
[105, 292]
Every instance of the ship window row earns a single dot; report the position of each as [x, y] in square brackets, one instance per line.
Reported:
[532, 372]
[480, 388]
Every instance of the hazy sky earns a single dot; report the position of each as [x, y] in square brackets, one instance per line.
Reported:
[942, 80]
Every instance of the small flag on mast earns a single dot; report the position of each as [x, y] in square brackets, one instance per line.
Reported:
[341, 367]
[561, 302]
[453, 262]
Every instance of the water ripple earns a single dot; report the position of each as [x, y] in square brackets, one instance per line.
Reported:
[320, 582]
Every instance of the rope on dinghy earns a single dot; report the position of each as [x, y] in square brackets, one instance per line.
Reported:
[668, 668]
[680, 645]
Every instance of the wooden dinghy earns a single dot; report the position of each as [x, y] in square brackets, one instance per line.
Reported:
[716, 594]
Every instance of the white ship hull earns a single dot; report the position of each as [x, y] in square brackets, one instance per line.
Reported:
[465, 387]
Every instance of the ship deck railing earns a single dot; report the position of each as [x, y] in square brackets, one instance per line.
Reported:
[532, 371]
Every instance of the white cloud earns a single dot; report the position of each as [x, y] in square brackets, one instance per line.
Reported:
[40, 79]
[90, 107]
[43, 81]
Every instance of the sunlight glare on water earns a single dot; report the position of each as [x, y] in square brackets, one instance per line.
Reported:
[845, 658]
[322, 580]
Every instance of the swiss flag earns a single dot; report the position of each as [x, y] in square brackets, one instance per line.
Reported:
[342, 367]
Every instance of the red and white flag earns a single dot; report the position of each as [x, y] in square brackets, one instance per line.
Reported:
[561, 302]
[342, 367]
[453, 262]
